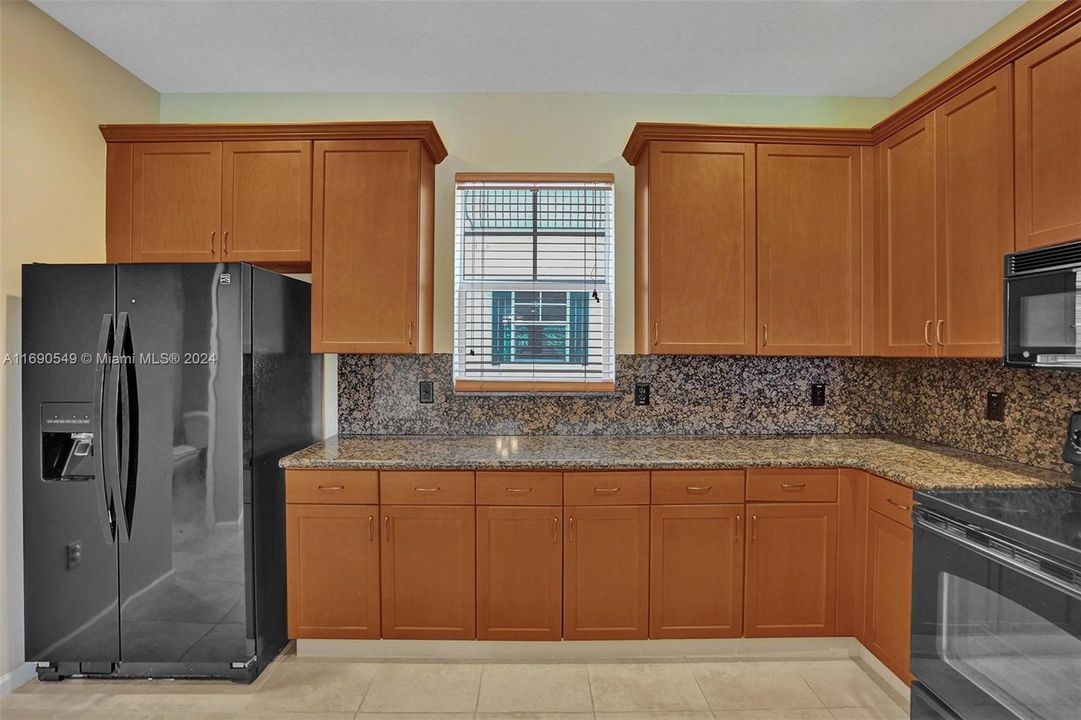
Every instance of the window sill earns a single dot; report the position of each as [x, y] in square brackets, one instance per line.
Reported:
[519, 387]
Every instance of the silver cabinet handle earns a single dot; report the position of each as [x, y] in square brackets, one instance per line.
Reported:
[938, 332]
[927, 332]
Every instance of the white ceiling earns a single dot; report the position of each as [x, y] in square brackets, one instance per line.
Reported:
[869, 48]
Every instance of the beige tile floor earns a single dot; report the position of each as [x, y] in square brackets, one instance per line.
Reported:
[307, 689]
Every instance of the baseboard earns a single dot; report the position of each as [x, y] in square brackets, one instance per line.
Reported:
[894, 684]
[17, 677]
[585, 650]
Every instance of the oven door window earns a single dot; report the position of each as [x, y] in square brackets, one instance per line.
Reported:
[1029, 665]
[1043, 314]
[993, 640]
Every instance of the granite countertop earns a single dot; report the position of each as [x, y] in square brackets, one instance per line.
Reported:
[919, 465]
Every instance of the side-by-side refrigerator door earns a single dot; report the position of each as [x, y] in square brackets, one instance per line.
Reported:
[69, 550]
[183, 595]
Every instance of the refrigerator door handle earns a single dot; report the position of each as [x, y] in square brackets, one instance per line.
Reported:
[129, 424]
[112, 417]
[101, 368]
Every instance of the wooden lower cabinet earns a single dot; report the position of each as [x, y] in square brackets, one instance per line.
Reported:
[519, 573]
[606, 573]
[696, 571]
[333, 571]
[887, 625]
[428, 573]
[791, 570]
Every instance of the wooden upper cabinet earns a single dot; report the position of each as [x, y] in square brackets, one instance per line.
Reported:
[266, 203]
[974, 211]
[606, 573]
[695, 247]
[1048, 144]
[887, 625]
[372, 243]
[176, 202]
[333, 567]
[696, 571]
[905, 254]
[791, 570]
[519, 573]
[428, 572]
[809, 250]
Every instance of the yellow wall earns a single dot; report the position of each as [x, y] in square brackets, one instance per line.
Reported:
[54, 91]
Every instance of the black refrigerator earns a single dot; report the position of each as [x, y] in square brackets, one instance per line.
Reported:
[157, 400]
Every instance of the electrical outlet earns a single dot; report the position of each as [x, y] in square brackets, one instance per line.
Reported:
[641, 393]
[818, 394]
[427, 391]
[74, 554]
[996, 406]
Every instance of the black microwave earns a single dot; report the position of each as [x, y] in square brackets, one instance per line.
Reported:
[1043, 307]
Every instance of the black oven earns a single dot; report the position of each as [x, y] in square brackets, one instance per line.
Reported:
[996, 625]
[1043, 307]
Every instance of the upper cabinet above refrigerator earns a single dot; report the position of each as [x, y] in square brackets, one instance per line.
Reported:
[352, 203]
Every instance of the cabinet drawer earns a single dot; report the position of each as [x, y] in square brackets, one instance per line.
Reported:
[681, 487]
[606, 488]
[341, 487]
[519, 488]
[792, 485]
[450, 487]
[890, 499]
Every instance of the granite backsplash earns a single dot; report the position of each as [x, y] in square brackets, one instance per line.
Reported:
[937, 400]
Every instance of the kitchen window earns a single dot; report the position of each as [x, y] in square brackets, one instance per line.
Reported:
[533, 283]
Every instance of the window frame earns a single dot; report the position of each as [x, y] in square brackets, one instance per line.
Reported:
[538, 386]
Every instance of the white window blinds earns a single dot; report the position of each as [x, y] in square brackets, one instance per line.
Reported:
[533, 284]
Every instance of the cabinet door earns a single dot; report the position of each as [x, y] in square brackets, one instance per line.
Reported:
[906, 242]
[696, 571]
[333, 571]
[1047, 106]
[889, 593]
[427, 569]
[701, 253]
[809, 250]
[606, 573]
[519, 573]
[365, 236]
[176, 202]
[791, 570]
[974, 182]
[266, 205]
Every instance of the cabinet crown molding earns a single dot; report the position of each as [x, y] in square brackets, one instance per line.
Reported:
[422, 130]
[646, 132]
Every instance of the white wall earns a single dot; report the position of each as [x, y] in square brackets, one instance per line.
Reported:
[54, 91]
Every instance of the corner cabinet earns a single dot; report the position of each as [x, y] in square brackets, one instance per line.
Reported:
[353, 203]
